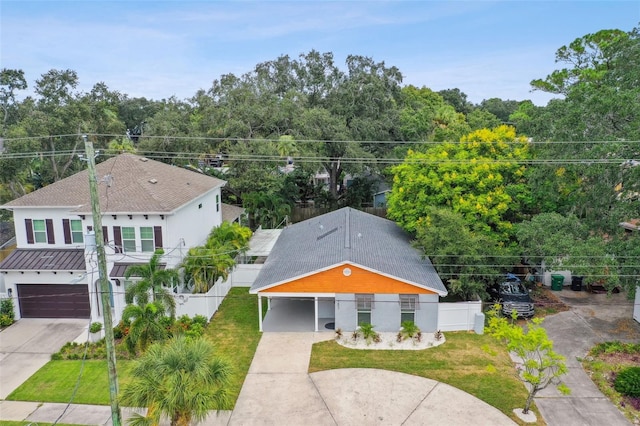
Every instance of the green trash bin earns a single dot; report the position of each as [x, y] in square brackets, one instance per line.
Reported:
[557, 281]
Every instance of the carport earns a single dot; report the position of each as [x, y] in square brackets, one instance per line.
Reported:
[297, 314]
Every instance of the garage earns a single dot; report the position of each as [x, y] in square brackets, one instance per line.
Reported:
[54, 300]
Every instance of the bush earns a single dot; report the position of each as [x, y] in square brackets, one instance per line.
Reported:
[7, 314]
[628, 382]
[95, 327]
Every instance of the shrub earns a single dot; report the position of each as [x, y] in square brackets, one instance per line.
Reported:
[368, 333]
[200, 319]
[628, 382]
[408, 330]
[95, 327]
[7, 314]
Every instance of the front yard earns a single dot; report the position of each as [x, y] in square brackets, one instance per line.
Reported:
[234, 330]
[477, 364]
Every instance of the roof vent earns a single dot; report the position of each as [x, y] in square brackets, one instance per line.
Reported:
[152, 180]
[144, 159]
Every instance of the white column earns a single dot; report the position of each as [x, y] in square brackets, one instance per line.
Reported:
[315, 311]
[260, 311]
[268, 303]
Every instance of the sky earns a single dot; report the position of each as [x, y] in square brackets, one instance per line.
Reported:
[158, 49]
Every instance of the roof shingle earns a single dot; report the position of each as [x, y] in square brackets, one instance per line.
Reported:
[136, 185]
[347, 235]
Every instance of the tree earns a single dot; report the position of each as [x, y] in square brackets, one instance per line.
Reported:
[563, 242]
[152, 284]
[10, 82]
[204, 265]
[181, 379]
[466, 260]
[541, 365]
[457, 99]
[482, 178]
[147, 325]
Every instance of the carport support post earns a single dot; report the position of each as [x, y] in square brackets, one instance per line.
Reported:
[260, 312]
[104, 285]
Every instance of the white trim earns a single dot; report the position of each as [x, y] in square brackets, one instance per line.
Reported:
[337, 265]
[297, 295]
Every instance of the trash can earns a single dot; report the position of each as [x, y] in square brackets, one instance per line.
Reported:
[557, 281]
[576, 283]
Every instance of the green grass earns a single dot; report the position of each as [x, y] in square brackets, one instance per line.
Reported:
[56, 381]
[233, 329]
[477, 364]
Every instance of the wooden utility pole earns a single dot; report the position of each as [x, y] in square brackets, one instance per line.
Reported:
[104, 284]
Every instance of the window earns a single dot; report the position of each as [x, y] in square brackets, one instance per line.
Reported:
[364, 304]
[39, 231]
[76, 231]
[146, 238]
[128, 238]
[408, 304]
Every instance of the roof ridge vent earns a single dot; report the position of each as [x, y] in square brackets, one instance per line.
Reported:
[347, 237]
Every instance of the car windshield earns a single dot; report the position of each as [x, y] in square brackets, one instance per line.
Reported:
[512, 288]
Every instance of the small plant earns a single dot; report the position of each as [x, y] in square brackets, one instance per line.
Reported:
[408, 330]
[438, 335]
[368, 333]
[628, 382]
[418, 336]
[7, 314]
[399, 337]
[95, 327]
[355, 335]
[338, 333]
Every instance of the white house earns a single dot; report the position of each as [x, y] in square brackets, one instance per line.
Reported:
[145, 205]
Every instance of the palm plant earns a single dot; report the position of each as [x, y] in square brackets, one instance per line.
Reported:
[152, 283]
[181, 379]
[146, 325]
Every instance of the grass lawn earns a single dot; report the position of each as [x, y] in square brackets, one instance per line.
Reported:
[474, 363]
[234, 330]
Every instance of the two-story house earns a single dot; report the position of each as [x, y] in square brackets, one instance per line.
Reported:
[145, 205]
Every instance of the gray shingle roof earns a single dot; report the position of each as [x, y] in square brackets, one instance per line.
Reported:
[44, 260]
[137, 185]
[346, 235]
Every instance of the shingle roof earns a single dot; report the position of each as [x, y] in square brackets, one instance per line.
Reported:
[231, 212]
[45, 260]
[137, 185]
[347, 235]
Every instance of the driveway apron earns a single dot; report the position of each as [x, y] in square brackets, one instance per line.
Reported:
[592, 319]
[279, 391]
[28, 344]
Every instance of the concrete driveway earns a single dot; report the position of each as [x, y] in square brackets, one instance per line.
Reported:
[279, 390]
[593, 318]
[28, 344]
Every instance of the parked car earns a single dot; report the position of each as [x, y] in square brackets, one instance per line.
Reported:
[512, 295]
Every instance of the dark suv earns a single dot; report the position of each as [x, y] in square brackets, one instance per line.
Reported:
[513, 295]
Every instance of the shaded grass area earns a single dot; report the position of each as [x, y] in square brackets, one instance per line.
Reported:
[233, 329]
[476, 364]
[602, 365]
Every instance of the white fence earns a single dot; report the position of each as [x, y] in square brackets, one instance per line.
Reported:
[208, 303]
[205, 304]
[458, 316]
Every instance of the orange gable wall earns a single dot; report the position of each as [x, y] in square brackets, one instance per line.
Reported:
[334, 281]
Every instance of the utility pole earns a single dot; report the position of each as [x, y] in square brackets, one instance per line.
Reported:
[104, 284]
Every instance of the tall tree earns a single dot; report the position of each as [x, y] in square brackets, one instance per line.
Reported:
[10, 82]
[481, 177]
[153, 282]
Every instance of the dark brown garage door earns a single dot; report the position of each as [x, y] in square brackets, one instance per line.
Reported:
[54, 301]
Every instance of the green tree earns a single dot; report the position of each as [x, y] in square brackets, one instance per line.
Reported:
[147, 325]
[466, 260]
[152, 284]
[482, 178]
[10, 81]
[541, 365]
[181, 379]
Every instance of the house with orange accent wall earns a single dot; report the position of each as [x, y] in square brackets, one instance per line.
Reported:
[345, 268]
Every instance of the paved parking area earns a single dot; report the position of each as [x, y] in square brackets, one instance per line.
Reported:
[592, 319]
[28, 344]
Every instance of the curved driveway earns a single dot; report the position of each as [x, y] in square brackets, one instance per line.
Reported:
[278, 390]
